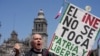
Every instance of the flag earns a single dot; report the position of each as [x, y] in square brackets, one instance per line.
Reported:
[59, 13]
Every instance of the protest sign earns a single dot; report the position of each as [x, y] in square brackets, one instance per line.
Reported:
[76, 32]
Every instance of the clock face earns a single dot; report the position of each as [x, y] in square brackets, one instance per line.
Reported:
[88, 8]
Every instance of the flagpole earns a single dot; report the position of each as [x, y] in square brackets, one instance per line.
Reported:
[61, 9]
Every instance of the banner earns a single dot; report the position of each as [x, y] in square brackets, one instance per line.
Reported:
[76, 32]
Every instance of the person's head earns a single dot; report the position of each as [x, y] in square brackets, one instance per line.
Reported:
[37, 41]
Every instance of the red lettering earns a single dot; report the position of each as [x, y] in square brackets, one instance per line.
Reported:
[91, 21]
[96, 23]
[84, 17]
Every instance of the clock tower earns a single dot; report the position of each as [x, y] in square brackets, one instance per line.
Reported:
[40, 26]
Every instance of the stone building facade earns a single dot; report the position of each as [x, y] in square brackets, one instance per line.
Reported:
[39, 26]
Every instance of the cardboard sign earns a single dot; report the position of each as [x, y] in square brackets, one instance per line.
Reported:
[76, 32]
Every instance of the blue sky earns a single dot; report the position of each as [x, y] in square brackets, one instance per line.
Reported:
[19, 15]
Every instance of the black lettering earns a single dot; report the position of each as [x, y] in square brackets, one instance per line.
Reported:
[85, 43]
[71, 36]
[65, 29]
[75, 13]
[70, 10]
[86, 30]
[74, 24]
[91, 33]
[67, 21]
[77, 37]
